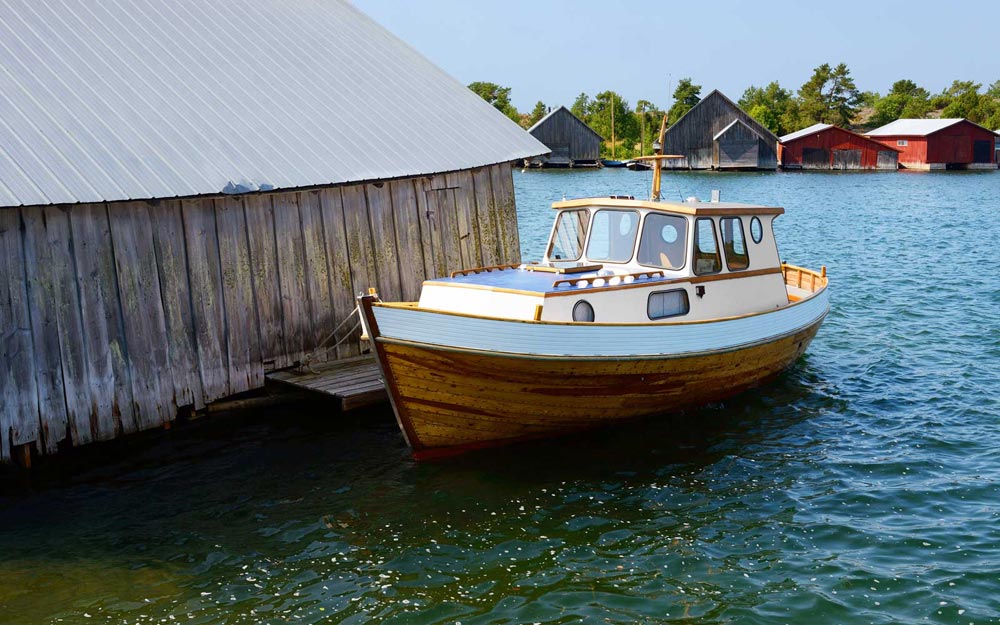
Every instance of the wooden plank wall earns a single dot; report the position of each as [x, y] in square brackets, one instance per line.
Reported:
[564, 128]
[692, 135]
[115, 316]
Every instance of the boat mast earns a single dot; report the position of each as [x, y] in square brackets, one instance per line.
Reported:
[612, 125]
[658, 150]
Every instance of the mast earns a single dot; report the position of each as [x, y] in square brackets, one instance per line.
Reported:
[612, 125]
[656, 162]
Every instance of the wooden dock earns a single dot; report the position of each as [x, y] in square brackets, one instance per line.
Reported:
[355, 382]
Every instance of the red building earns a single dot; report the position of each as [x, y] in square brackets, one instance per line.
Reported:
[939, 143]
[824, 146]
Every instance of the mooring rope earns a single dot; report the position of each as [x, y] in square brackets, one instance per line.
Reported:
[320, 349]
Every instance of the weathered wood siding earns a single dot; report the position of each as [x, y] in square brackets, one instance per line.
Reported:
[115, 316]
[568, 137]
[836, 148]
[738, 147]
[693, 135]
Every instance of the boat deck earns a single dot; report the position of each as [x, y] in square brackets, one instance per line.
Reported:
[533, 281]
[354, 382]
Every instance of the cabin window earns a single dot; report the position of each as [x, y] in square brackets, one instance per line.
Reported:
[734, 244]
[902, 143]
[663, 304]
[662, 241]
[569, 235]
[756, 230]
[612, 235]
[706, 249]
[583, 311]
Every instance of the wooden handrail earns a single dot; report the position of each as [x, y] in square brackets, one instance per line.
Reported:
[803, 278]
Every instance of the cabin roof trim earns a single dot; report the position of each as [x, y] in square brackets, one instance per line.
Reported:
[684, 208]
[733, 123]
[551, 113]
[817, 128]
[119, 101]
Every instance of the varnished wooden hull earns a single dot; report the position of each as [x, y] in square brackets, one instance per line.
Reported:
[454, 398]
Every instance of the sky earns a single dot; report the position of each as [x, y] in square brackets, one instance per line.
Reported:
[552, 51]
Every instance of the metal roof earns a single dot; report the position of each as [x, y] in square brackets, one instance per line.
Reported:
[134, 99]
[913, 127]
[805, 132]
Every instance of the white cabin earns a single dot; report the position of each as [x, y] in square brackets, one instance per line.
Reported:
[612, 260]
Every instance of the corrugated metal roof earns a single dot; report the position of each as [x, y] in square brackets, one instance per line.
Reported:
[913, 127]
[805, 132]
[133, 99]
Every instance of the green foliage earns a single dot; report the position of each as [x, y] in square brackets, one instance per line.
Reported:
[536, 114]
[773, 106]
[830, 96]
[686, 95]
[904, 100]
[581, 106]
[626, 125]
[649, 117]
[498, 96]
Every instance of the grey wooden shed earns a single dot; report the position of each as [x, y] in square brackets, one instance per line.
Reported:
[717, 134]
[572, 142]
[186, 206]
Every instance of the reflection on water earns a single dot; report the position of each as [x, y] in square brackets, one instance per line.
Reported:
[859, 487]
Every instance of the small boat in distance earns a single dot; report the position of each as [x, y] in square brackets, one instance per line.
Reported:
[608, 162]
[638, 165]
[638, 308]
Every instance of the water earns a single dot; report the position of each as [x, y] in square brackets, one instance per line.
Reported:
[863, 486]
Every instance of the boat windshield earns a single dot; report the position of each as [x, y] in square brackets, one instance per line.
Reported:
[662, 241]
[569, 235]
[612, 235]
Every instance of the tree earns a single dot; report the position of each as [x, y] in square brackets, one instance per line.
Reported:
[686, 95]
[967, 102]
[625, 124]
[536, 114]
[905, 99]
[649, 117]
[830, 96]
[994, 90]
[772, 106]
[581, 106]
[498, 96]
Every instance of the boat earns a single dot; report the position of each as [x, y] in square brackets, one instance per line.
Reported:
[637, 308]
[638, 165]
[610, 162]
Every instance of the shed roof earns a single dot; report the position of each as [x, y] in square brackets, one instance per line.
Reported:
[120, 100]
[751, 123]
[733, 123]
[916, 127]
[551, 113]
[815, 128]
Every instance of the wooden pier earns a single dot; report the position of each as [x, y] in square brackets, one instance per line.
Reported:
[355, 382]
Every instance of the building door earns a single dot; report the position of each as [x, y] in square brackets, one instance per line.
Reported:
[981, 151]
[887, 159]
[815, 158]
[847, 159]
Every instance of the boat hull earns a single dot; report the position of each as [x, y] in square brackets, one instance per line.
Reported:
[449, 398]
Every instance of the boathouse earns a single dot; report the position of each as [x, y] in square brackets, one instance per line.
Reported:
[717, 134]
[572, 142]
[192, 195]
[825, 146]
[939, 143]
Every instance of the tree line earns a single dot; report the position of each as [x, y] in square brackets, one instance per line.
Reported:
[829, 96]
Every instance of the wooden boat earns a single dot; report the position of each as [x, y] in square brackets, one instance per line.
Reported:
[638, 165]
[637, 308]
[609, 162]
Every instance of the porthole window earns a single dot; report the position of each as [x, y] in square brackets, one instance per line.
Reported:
[756, 230]
[663, 304]
[583, 311]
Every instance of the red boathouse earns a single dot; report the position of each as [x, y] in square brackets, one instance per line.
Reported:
[939, 143]
[824, 146]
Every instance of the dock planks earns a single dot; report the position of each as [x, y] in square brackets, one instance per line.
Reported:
[355, 382]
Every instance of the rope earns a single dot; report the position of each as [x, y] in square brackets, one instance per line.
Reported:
[320, 349]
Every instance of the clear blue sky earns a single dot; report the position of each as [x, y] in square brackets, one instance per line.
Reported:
[551, 51]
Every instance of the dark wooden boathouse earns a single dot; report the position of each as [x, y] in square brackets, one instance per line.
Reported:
[825, 146]
[185, 207]
[939, 143]
[717, 134]
[572, 142]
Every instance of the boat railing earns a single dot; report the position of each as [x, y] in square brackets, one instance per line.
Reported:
[805, 279]
[486, 269]
[598, 281]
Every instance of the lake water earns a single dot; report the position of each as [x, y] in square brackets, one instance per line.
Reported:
[863, 486]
